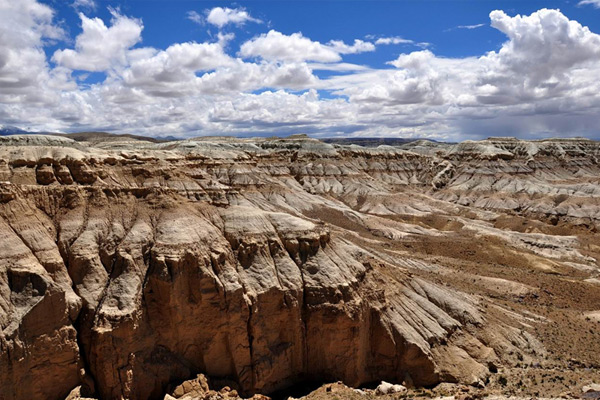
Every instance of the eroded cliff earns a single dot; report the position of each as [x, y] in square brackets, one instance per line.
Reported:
[129, 266]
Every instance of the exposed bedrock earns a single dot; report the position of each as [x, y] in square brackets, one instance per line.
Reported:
[125, 268]
[265, 298]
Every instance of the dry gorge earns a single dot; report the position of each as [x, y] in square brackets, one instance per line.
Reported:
[128, 267]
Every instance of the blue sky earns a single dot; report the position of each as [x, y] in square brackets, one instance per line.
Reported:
[431, 21]
[442, 69]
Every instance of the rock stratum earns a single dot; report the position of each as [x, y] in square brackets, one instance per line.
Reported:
[127, 267]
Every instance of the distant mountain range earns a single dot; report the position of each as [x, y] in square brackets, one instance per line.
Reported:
[6, 130]
[371, 142]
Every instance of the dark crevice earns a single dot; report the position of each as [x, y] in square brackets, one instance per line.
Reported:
[250, 340]
[303, 317]
[88, 381]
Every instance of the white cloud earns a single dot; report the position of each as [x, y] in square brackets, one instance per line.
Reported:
[281, 112]
[295, 47]
[359, 46]
[547, 56]
[545, 69]
[225, 38]
[393, 40]
[340, 67]
[172, 72]
[85, 4]
[595, 3]
[221, 16]
[275, 46]
[542, 50]
[543, 79]
[100, 48]
[29, 21]
[195, 17]
[470, 26]
[417, 82]
[25, 27]
[244, 77]
[295, 75]
[400, 40]
[414, 60]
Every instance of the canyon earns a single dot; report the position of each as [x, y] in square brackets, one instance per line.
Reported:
[128, 266]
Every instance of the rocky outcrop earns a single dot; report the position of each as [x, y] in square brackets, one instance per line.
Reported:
[127, 266]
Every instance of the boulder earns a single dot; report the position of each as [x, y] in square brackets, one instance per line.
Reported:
[389, 388]
[592, 387]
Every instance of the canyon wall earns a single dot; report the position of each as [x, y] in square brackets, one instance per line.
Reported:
[129, 266]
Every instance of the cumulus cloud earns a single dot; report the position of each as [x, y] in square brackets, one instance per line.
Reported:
[542, 51]
[359, 46]
[25, 27]
[547, 56]
[172, 72]
[244, 77]
[276, 46]
[221, 16]
[295, 47]
[546, 68]
[98, 47]
[417, 82]
[415, 60]
[269, 108]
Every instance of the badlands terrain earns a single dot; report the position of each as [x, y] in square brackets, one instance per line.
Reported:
[278, 266]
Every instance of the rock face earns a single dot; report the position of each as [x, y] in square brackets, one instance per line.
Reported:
[127, 266]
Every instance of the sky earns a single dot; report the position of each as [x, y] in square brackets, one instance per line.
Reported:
[445, 69]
